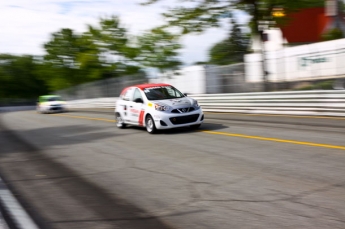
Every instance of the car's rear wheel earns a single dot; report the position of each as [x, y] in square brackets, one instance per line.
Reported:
[195, 127]
[119, 121]
[150, 124]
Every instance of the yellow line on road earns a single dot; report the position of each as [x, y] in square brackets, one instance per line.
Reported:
[275, 140]
[279, 115]
[84, 117]
[231, 135]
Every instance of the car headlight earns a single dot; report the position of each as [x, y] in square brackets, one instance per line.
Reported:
[161, 107]
[196, 105]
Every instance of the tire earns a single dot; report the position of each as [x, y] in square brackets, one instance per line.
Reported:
[195, 127]
[38, 110]
[150, 125]
[119, 121]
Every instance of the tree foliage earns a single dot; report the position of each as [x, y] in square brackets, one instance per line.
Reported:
[159, 49]
[332, 34]
[19, 77]
[232, 49]
[62, 66]
[199, 15]
[104, 50]
[115, 50]
[100, 52]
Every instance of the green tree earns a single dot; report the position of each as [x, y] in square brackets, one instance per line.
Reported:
[100, 52]
[19, 78]
[159, 49]
[103, 51]
[114, 47]
[62, 68]
[232, 49]
[332, 34]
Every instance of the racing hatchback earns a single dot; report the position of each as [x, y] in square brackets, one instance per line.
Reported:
[50, 104]
[157, 106]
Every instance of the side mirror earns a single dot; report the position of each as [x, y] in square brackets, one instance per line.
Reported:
[185, 94]
[138, 100]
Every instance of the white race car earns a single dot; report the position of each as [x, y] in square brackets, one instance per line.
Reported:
[157, 106]
[50, 104]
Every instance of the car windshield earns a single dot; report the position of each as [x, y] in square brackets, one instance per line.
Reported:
[56, 98]
[162, 92]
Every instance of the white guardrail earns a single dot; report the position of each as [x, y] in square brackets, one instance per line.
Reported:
[321, 103]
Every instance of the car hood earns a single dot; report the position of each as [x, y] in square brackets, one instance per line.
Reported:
[180, 102]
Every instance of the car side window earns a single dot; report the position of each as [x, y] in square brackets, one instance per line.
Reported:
[137, 95]
[127, 94]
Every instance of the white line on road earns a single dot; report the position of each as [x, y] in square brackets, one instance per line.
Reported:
[15, 211]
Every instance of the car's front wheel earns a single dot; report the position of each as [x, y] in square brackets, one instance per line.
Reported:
[119, 121]
[150, 124]
[40, 110]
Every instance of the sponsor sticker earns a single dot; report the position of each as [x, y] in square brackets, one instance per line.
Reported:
[149, 88]
[134, 111]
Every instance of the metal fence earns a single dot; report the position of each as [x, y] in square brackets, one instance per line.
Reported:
[102, 88]
[228, 79]
[319, 103]
[207, 79]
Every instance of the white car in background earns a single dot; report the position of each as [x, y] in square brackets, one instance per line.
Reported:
[157, 106]
[50, 104]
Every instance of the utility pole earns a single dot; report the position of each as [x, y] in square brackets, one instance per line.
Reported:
[263, 39]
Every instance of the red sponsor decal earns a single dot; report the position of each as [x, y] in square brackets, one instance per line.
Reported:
[132, 110]
[141, 117]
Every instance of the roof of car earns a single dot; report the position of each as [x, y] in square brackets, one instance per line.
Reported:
[49, 96]
[147, 85]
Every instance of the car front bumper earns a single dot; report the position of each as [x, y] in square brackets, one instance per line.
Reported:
[52, 109]
[173, 120]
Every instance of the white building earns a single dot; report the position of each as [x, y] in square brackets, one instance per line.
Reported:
[323, 60]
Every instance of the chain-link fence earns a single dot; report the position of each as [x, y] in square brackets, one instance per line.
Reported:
[228, 79]
[111, 87]
[211, 79]
[207, 79]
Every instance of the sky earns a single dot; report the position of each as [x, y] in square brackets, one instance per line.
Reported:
[26, 25]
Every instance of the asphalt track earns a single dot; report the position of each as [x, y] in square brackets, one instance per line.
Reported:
[77, 170]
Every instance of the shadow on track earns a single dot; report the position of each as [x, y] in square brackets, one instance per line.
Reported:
[184, 130]
[60, 136]
[46, 198]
